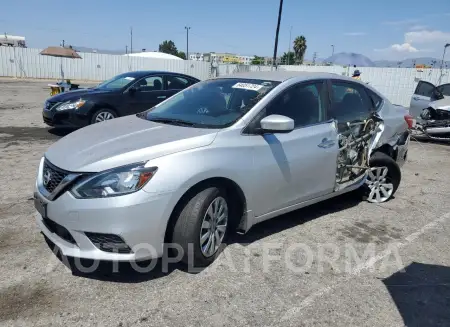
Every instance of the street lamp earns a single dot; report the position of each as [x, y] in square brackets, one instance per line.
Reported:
[332, 50]
[442, 62]
[187, 41]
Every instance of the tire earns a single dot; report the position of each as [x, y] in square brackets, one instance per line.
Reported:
[383, 180]
[190, 225]
[103, 112]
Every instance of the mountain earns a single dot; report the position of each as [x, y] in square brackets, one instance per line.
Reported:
[408, 63]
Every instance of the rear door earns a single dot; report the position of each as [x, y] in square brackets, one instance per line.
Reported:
[175, 83]
[149, 91]
[421, 98]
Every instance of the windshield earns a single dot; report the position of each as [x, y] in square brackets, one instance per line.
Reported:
[214, 103]
[117, 82]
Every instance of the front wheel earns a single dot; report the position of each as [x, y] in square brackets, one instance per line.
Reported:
[201, 227]
[103, 115]
[383, 178]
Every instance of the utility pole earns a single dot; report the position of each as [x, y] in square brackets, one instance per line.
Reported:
[187, 41]
[289, 51]
[442, 63]
[332, 50]
[126, 49]
[276, 35]
[131, 36]
[314, 58]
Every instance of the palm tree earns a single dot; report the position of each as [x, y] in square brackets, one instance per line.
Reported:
[300, 49]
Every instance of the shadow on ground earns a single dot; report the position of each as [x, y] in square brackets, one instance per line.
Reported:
[422, 294]
[33, 133]
[149, 270]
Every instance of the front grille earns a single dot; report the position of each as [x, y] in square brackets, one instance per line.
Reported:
[52, 176]
[59, 230]
[109, 242]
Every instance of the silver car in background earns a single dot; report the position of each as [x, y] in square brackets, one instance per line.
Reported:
[430, 105]
[220, 156]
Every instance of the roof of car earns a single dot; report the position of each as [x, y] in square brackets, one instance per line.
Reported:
[140, 73]
[282, 75]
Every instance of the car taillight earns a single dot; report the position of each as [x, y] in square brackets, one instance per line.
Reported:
[410, 121]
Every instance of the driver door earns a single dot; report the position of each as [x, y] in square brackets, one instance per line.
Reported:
[294, 167]
[421, 98]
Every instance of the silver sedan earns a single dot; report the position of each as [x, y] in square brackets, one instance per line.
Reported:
[220, 156]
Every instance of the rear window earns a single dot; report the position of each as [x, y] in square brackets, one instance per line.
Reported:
[375, 99]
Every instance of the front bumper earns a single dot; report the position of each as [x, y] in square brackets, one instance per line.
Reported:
[66, 118]
[139, 219]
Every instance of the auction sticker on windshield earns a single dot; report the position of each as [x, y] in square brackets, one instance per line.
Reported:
[248, 86]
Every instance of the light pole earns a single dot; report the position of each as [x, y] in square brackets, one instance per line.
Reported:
[187, 41]
[442, 62]
[289, 51]
[276, 34]
[332, 50]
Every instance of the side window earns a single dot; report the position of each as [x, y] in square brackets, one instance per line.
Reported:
[349, 102]
[304, 103]
[425, 89]
[151, 83]
[375, 99]
[444, 89]
[176, 82]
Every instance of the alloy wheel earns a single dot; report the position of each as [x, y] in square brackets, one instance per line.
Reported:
[214, 226]
[103, 115]
[379, 184]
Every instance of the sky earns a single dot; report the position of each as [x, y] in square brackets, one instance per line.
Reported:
[383, 29]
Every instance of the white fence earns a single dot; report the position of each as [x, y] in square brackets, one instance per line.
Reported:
[28, 63]
[397, 84]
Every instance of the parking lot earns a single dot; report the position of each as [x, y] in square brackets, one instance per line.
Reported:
[371, 265]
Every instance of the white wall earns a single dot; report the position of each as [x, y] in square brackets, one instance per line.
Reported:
[28, 63]
[397, 84]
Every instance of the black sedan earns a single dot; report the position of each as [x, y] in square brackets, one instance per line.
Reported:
[124, 94]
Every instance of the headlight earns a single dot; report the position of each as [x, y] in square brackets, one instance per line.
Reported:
[114, 182]
[71, 105]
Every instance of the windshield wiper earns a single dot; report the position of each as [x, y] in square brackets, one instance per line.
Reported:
[172, 121]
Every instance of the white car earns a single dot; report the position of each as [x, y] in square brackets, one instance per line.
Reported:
[220, 156]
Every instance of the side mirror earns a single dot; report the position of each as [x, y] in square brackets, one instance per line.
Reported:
[277, 124]
[132, 90]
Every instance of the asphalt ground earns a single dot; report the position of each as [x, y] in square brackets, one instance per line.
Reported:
[339, 263]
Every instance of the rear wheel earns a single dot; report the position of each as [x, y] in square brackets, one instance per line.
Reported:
[202, 225]
[103, 115]
[383, 178]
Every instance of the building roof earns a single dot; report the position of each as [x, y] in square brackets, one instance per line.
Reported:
[282, 75]
[154, 55]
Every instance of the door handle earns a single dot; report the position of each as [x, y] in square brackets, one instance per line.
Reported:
[326, 143]
[416, 98]
[162, 97]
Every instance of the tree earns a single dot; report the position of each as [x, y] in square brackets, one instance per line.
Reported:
[168, 47]
[257, 60]
[288, 58]
[300, 49]
[181, 54]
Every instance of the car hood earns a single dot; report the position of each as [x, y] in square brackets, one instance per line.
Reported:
[76, 94]
[443, 104]
[123, 141]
